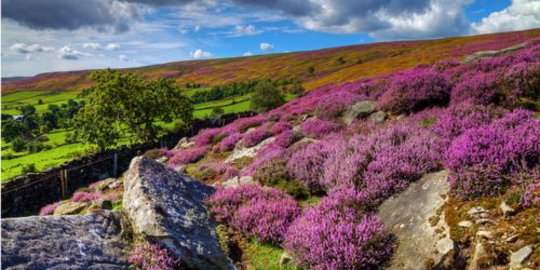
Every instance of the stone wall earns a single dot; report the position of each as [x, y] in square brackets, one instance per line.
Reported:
[26, 194]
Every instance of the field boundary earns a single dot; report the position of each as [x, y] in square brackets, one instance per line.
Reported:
[28, 193]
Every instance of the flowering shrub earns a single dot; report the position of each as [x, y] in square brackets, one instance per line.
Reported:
[241, 125]
[477, 88]
[215, 171]
[333, 235]
[286, 138]
[225, 202]
[268, 221]
[187, 156]
[85, 197]
[274, 174]
[482, 158]
[264, 155]
[316, 128]
[334, 105]
[307, 165]
[49, 209]
[151, 257]
[206, 136]
[280, 127]
[255, 137]
[451, 122]
[229, 142]
[414, 90]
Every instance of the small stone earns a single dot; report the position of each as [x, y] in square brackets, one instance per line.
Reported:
[477, 211]
[519, 257]
[465, 224]
[479, 252]
[512, 238]
[484, 234]
[506, 209]
[70, 208]
[483, 221]
[284, 259]
[378, 117]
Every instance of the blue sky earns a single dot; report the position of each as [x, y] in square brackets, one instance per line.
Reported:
[56, 35]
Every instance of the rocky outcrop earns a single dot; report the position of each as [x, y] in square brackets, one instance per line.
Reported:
[167, 208]
[242, 152]
[95, 241]
[358, 110]
[413, 216]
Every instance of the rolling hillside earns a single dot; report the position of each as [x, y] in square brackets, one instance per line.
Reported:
[313, 68]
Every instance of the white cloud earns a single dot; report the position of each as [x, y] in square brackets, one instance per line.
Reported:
[247, 54]
[123, 57]
[196, 28]
[520, 15]
[442, 18]
[112, 47]
[266, 47]
[30, 48]
[245, 30]
[68, 53]
[198, 54]
[92, 45]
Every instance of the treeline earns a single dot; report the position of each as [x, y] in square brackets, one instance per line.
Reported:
[285, 85]
[27, 130]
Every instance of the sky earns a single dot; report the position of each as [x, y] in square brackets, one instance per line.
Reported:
[58, 35]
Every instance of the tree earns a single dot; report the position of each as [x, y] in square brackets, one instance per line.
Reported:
[28, 110]
[266, 96]
[121, 103]
[217, 112]
[297, 89]
[18, 144]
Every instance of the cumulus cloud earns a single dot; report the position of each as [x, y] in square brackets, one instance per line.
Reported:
[442, 18]
[112, 47]
[266, 47]
[71, 15]
[196, 28]
[123, 58]
[92, 45]
[68, 53]
[245, 30]
[520, 15]
[247, 54]
[30, 48]
[198, 54]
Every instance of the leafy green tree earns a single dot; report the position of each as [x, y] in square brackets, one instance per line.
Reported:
[266, 96]
[18, 144]
[12, 129]
[297, 89]
[27, 110]
[121, 103]
[217, 112]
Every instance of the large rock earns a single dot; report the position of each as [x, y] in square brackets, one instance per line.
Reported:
[95, 241]
[423, 236]
[166, 207]
[242, 152]
[358, 110]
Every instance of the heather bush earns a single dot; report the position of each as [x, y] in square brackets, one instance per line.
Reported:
[85, 197]
[307, 165]
[274, 174]
[477, 88]
[483, 158]
[453, 121]
[415, 90]
[268, 221]
[333, 105]
[228, 143]
[225, 202]
[286, 138]
[332, 235]
[187, 156]
[530, 181]
[522, 83]
[255, 137]
[215, 171]
[49, 209]
[316, 128]
[280, 127]
[243, 124]
[151, 257]
[206, 136]
[264, 155]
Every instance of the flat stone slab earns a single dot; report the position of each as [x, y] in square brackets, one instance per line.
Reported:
[423, 237]
[94, 241]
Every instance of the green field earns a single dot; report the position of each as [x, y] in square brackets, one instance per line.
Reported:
[62, 151]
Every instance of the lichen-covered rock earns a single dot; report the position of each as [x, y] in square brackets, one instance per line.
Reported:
[423, 236]
[167, 208]
[70, 208]
[360, 109]
[241, 152]
[238, 180]
[94, 241]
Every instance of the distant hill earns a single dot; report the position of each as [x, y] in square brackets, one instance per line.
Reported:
[11, 79]
[313, 68]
